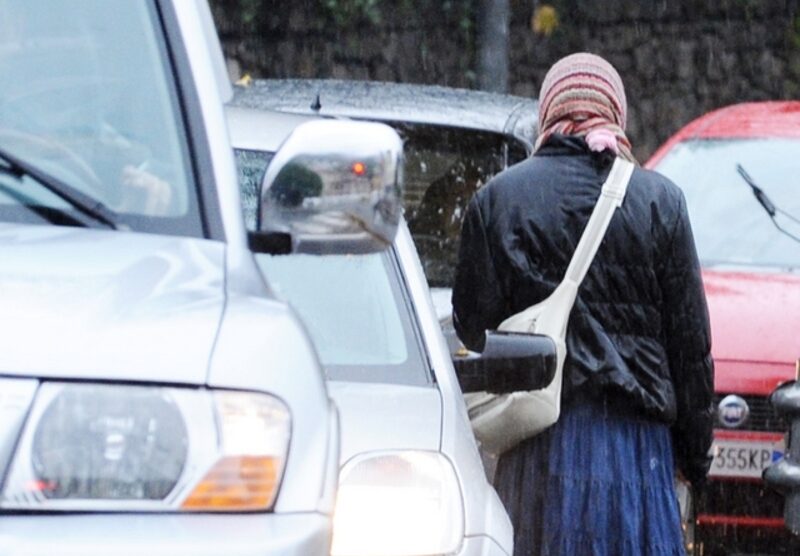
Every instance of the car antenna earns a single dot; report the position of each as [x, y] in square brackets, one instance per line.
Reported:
[316, 105]
[765, 202]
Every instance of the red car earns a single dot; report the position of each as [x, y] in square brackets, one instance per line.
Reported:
[737, 167]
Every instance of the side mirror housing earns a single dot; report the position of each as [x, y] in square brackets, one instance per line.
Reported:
[334, 186]
[510, 362]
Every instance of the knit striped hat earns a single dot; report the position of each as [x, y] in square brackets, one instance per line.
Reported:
[582, 93]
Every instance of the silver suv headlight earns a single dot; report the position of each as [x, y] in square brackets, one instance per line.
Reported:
[110, 447]
[403, 503]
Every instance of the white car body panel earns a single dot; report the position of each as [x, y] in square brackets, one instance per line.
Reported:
[92, 304]
[484, 512]
[379, 416]
[257, 332]
[166, 535]
[262, 346]
[101, 304]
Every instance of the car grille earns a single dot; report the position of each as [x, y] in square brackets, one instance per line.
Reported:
[762, 416]
[744, 499]
[736, 498]
[740, 541]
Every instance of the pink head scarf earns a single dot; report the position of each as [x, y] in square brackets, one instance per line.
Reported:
[582, 94]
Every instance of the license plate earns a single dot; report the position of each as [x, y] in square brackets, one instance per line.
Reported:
[745, 457]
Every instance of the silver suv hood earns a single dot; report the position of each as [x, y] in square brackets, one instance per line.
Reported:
[77, 303]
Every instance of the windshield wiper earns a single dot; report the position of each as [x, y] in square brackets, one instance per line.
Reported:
[768, 205]
[83, 203]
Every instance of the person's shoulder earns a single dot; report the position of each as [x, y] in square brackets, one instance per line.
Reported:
[657, 185]
[516, 172]
[662, 196]
[506, 180]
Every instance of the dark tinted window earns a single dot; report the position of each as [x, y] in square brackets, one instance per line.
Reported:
[444, 167]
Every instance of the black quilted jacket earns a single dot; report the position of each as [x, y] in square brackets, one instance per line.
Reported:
[639, 332]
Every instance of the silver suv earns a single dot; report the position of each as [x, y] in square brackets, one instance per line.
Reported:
[155, 398]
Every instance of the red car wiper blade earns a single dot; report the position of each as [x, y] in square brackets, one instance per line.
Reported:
[768, 205]
[85, 204]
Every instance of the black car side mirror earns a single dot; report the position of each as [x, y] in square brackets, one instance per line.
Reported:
[510, 362]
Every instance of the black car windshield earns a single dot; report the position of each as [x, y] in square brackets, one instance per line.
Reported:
[730, 227]
[88, 97]
[444, 167]
[355, 307]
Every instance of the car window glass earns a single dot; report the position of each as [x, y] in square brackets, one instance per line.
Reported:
[251, 167]
[444, 167]
[517, 152]
[88, 97]
[354, 309]
[729, 225]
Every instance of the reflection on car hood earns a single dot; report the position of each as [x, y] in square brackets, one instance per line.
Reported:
[80, 303]
[754, 316]
[387, 417]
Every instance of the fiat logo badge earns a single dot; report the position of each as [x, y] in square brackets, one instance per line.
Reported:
[733, 411]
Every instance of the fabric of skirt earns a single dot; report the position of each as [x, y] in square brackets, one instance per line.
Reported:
[597, 483]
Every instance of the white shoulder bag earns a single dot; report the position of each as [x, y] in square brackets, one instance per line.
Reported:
[501, 421]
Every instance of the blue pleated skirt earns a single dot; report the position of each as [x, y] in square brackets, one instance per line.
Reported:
[597, 483]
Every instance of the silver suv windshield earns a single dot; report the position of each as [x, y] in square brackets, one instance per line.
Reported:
[730, 227]
[87, 97]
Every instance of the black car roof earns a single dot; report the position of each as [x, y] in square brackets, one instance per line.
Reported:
[396, 102]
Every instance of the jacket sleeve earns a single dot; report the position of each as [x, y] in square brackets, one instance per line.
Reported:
[688, 345]
[478, 303]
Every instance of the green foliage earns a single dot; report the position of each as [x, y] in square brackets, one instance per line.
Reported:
[750, 8]
[349, 12]
[795, 32]
[459, 12]
[294, 183]
[250, 10]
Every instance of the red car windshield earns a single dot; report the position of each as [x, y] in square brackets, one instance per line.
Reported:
[731, 228]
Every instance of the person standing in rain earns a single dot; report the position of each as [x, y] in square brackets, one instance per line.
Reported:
[638, 379]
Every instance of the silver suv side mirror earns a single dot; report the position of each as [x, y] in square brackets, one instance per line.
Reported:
[334, 186]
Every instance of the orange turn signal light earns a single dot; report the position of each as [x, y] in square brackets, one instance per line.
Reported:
[359, 168]
[237, 483]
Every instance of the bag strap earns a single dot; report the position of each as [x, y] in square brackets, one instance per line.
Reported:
[552, 315]
[611, 197]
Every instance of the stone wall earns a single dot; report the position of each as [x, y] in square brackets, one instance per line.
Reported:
[678, 59]
[411, 41]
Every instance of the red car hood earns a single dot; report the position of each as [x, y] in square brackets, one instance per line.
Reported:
[755, 325]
